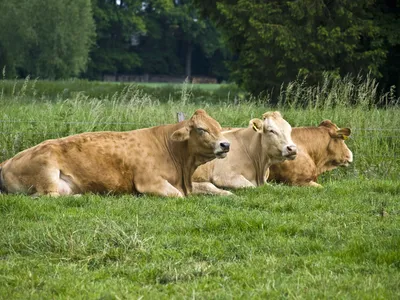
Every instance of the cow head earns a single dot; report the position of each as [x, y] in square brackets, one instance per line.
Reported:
[204, 136]
[338, 152]
[276, 136]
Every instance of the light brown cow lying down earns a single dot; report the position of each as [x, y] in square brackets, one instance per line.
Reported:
[253, 150]
[158, 160]
[320, 149]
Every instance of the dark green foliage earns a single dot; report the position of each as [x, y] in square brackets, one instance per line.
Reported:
[153, 37]
[116, 25]
[275, 41]
[270, 42]
[193, 32]
[45, 38]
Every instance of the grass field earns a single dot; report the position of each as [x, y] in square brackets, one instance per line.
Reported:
[67, 89]
[340, 242]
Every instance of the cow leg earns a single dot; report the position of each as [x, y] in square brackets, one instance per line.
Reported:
[208, 188]
[314, 184]
[160, 187]
[47, 187]
[306, 183]
[45, 182]
[266, 175]
[55, 195]
[235, 182]
[51, 194]
[53, 183]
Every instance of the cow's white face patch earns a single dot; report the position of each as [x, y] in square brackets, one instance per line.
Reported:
[277, 139]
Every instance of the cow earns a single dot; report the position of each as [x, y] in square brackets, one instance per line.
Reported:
[1, 166]
[253, 150]
[0, 181]
[157, 161]
[320, 149]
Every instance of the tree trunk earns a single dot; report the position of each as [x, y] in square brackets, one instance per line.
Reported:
[188, 64]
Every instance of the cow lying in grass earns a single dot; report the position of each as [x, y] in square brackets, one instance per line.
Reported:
[253, 150]
[320, 149]
[158, 160]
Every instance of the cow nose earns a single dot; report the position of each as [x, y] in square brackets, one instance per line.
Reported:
[292, 149]
[349, 157]
[225, 146]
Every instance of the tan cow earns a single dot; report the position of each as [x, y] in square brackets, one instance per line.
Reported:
[320, 149]
[158, 160]
[253, 150]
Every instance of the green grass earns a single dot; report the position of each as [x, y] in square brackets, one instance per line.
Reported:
[270, 242]
[65, 89]
[275, 241]
[204, 86]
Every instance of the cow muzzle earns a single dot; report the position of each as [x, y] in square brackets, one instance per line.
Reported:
[289, 152]
[222, 149]
[348, 160]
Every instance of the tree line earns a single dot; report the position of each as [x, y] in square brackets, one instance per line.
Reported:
[62, 39]
[257, 44]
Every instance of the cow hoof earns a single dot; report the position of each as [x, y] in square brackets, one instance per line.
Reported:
[227, 193]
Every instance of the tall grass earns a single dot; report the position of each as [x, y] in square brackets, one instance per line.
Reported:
[349, 102]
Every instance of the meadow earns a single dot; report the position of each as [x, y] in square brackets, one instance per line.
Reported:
[274, 241]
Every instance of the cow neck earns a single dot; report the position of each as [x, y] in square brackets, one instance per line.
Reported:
[251, 143]
[183, 159]
[314, 141]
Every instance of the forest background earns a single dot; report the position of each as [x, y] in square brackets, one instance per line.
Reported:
[259, 45]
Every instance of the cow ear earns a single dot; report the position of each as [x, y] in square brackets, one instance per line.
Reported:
[327, 123]
[343, 133]
[181, 135]
[256, 124]
[272, 114]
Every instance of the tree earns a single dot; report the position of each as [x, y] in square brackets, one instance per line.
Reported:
[45, 38]
[193, 31]
[158, 48]
[120, 24]
[391, 69]
[275, 41]
[150, 37]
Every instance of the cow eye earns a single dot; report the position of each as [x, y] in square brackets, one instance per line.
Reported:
[200, 130]
[272, 131]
